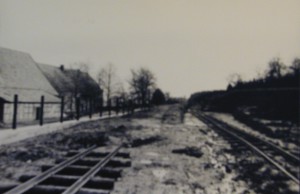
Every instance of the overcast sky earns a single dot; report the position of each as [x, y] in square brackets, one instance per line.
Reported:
[190, 45]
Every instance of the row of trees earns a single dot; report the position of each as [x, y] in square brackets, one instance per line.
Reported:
[272, 95]
[142, 84]
[277, 75]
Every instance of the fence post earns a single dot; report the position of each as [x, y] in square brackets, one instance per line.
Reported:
[149, 101]
[133, 106]
[109, 106]
[93, 106]
[62, 109]
[130, 106]
[86, 107]
[123, 105]
[149, 105]
[42, 111]
[90, 111]
[15, 113]
[101, 107]
[117, 106]
[77, 108]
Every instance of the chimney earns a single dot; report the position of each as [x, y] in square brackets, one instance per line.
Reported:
[62, 68]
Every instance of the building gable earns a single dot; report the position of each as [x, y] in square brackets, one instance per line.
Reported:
[20, 75]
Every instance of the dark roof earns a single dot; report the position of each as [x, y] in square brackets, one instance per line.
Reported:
[58, 79]
[86, 85]
[69, 80]
[20, 75]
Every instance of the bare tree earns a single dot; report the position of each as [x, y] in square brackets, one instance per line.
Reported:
[276, 69]
[120, 91]
[234, 79]
[295, 67]
[108, 81]
[142, 82]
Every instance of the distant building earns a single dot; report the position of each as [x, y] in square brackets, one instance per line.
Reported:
[20, 75]
[71, 83]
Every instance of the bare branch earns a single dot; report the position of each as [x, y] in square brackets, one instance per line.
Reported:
[108, 81]
[141, 83]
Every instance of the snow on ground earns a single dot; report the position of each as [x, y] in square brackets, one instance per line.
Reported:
[167, 156]
[8, 136]
[260, 170]
[228, 118]
[166, 166]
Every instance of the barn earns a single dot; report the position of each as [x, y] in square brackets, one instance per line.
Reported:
[72, 83]
[20, 75]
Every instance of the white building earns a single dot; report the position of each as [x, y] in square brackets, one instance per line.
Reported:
[20, 75]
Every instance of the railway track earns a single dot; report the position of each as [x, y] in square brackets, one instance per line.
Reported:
[92, 171]
[285, 162]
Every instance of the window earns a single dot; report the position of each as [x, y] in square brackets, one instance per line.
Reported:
[37, 113]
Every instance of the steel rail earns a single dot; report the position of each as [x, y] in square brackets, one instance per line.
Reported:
[38, 179]
[279, 149]
[91, 173]
[250, 145]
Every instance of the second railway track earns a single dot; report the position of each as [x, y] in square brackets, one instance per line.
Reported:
[92, 171]
[285, 162]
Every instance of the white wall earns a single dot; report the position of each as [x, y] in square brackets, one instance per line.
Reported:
[27, 112]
